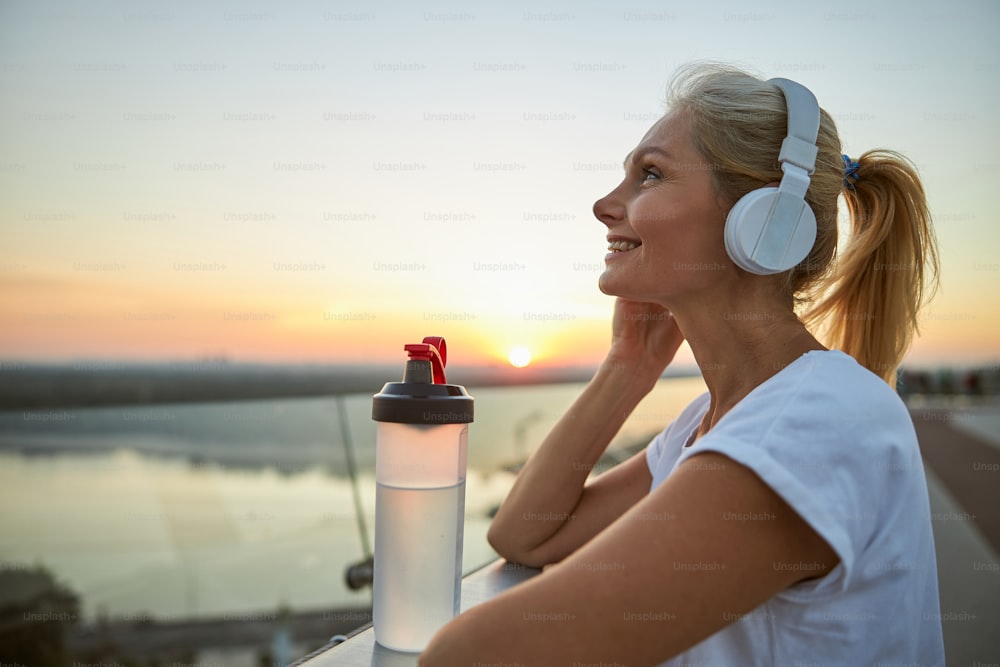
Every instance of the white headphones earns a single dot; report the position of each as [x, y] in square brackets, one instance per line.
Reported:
[770, 230]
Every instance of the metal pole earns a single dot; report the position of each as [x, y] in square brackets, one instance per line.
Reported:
[352, 471]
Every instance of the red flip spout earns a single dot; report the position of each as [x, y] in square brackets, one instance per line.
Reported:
[434, 350]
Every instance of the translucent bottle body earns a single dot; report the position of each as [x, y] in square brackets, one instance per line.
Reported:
[419, 520]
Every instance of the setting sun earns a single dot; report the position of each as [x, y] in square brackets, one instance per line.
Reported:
[519, 357]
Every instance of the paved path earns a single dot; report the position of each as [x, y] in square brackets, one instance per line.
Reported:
[963, 478]
[967, 465]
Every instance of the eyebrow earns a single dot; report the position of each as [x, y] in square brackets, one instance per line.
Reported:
[643, 152]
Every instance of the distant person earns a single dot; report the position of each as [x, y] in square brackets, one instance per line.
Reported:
[972, 384]
[782, 517]
[946, 381]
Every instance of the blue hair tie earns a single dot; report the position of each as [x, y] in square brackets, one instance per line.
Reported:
[850, 172]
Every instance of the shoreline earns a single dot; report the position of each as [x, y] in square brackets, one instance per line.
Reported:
[38, 387]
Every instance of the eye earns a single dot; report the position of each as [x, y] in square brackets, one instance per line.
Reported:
[649, 174]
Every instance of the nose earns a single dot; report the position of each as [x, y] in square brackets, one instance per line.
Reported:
[609, 209]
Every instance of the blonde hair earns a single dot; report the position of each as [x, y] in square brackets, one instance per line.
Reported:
[864, 298]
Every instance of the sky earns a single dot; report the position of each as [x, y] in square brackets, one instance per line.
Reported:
[320, 182]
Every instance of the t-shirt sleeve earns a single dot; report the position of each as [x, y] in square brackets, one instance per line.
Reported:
[803, 498]
[800, 496]
[828, 466]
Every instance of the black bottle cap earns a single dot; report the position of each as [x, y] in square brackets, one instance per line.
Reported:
[423, 397]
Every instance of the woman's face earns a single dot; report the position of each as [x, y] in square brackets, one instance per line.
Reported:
[665, 222]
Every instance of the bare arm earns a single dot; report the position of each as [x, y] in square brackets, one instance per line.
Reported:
[673, 570]
[550, 510]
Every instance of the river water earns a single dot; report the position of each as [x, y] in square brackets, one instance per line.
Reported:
[208, 509]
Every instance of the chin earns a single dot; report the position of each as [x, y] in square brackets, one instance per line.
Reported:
[606, 285]
[612, 287]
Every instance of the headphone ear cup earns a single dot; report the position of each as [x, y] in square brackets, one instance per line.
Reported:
[747, 224]
[744, 225]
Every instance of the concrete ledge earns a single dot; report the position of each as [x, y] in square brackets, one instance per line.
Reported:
[361, 649]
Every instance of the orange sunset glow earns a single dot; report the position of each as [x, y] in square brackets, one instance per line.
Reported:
[162, 203]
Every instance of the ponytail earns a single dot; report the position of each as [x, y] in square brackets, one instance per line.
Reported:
[880, 280]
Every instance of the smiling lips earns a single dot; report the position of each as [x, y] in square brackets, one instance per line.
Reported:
[622, 246]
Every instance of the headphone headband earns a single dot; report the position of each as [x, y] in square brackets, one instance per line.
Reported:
[799, 147]
[771, 230]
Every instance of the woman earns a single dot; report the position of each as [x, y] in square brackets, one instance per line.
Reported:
[782, 518]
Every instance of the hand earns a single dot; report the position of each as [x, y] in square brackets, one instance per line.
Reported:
[643, 334]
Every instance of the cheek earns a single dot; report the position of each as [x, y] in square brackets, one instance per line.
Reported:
[669, 236]
[683, 225]
[693, 234]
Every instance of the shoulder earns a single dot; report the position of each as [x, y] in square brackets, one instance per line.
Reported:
[838, 378]
[825, 394]
[822, 413]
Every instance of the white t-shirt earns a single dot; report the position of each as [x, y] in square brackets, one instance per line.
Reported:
[837, 444]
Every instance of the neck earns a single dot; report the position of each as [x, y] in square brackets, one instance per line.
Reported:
[738, 348]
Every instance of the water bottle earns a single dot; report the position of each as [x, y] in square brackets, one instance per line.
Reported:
[422, 428]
